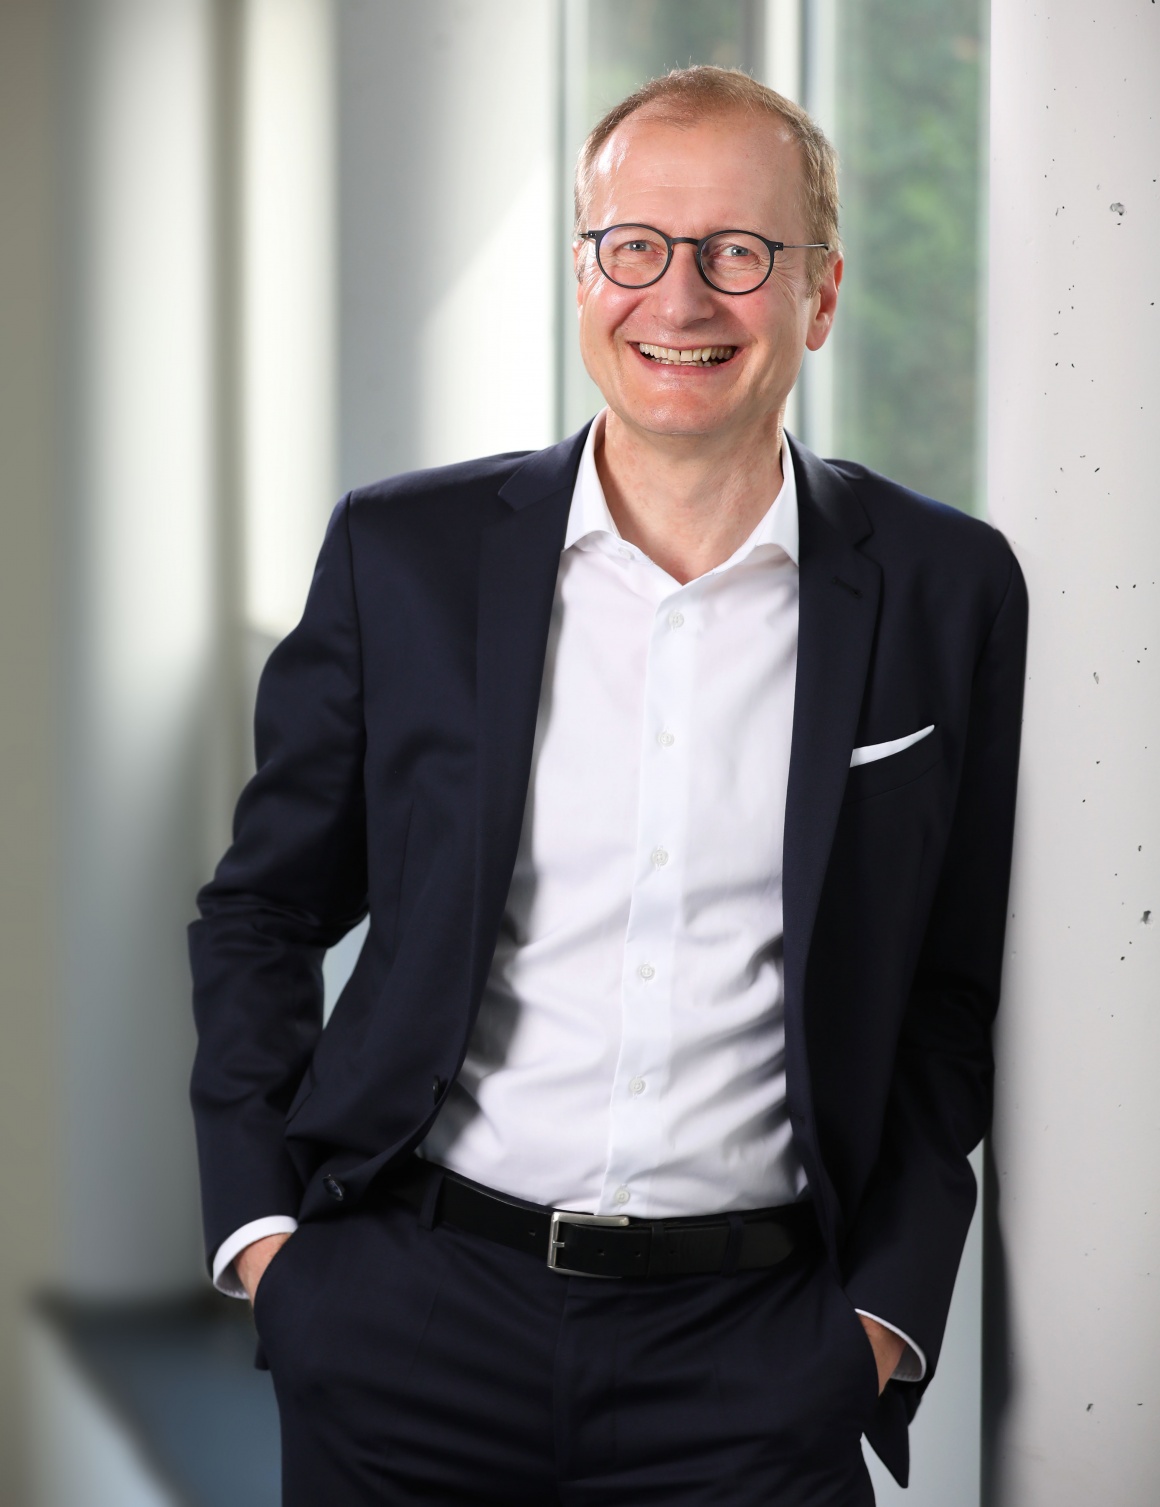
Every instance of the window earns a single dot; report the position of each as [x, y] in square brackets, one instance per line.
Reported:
[899, 87]
[909, 99]
[612, 47]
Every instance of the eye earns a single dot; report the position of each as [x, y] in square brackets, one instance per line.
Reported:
[633, 241]
[735, 261]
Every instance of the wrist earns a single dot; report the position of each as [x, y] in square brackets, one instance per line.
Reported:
[251, 1262]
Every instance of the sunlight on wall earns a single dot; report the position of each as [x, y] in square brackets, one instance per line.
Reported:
[486, 350]
[288, 358]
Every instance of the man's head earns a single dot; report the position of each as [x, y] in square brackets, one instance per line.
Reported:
[702, 150]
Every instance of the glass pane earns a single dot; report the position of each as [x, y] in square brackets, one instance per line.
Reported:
[630, 41]
[612, 47]
[910, 76]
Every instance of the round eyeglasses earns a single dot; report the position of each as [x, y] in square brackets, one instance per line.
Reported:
[731, 261]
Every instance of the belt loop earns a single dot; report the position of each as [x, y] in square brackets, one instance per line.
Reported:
[733, 1245]
[429, 1208]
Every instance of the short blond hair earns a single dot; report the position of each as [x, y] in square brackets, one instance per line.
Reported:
[687, 95]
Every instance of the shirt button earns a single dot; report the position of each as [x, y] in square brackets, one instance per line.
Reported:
[666, 739]
[636, 1086]
[621, 1196]
[659, 857]
[625, 552]
[676, 619]
[646, 971]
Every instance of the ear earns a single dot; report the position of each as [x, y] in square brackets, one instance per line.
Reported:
[824, 304]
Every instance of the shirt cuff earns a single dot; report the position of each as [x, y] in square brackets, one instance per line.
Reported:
[912, 1363]
[225, 1278]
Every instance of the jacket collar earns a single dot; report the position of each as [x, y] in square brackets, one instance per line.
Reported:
[839, 592]
[518, 562]
[545, 472]
[829, 495]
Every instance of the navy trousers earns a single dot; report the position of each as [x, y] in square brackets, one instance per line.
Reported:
[428, 1365]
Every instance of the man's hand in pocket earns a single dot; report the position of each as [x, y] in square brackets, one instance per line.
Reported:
[252, 1262]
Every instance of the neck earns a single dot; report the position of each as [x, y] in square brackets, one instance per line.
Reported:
[688, 502]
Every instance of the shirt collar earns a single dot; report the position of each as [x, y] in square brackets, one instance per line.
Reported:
[589, 513]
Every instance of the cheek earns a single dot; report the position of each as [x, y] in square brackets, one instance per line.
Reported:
[601, 308]
[785, 314]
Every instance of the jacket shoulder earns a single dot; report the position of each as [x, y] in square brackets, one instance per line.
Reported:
[464, 482]
[908, 525]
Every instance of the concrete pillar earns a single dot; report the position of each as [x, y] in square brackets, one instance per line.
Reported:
[1073, 1269]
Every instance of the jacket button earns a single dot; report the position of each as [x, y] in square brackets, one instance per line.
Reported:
[437, 1086]
[334, 1187]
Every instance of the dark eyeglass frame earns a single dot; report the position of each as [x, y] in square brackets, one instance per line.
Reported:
[672, 241]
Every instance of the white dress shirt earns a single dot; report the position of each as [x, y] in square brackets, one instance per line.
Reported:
[629, 1052]
[629, 1055]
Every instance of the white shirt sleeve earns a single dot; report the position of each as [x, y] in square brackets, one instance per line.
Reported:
[225, 1278]
[912, 1363]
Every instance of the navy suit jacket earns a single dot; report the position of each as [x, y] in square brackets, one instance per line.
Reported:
[394, 734]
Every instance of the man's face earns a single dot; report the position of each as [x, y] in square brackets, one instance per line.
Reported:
[729, 172]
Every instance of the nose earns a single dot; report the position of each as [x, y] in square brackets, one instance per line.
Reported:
[684, 295]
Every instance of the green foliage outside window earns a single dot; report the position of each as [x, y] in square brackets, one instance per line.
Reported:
[909, 99]
[630, 41]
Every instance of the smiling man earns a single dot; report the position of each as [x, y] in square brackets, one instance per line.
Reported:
[675, 768]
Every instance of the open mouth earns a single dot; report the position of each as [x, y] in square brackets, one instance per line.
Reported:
[702, 355]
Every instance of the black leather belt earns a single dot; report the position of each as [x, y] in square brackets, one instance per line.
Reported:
[607, 1245]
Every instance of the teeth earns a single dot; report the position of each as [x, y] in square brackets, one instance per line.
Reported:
[703, 355]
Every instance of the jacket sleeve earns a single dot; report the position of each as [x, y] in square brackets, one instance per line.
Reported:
[293, 882]
[901, 1255]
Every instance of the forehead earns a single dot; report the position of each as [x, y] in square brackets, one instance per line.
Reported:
[732, 169]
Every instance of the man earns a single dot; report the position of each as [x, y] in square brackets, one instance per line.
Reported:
[675, 768]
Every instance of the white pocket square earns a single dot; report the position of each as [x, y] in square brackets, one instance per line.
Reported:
[871, 751]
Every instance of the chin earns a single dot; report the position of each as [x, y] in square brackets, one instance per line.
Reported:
[677, 414]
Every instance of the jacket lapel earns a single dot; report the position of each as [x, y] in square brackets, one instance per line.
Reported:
[839, 589]
[519, 561]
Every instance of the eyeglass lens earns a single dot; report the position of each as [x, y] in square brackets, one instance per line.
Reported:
[635, 255]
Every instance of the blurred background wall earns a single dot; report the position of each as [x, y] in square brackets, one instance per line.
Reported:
[30, 1075]
[216, 320]
[215, 317]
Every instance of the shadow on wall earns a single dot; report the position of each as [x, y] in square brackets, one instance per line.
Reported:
[998, 1379]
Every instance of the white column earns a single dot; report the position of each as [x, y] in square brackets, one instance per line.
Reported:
[815, 388]
[782, 68]
[136, 535]
[288, 302]
[1073, 1299]
[448, 232]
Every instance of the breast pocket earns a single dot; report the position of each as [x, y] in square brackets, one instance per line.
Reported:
[894, 770]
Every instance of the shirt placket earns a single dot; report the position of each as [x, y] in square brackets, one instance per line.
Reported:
[660, 875]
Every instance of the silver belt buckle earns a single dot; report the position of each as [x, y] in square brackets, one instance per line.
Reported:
[556, 1243]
